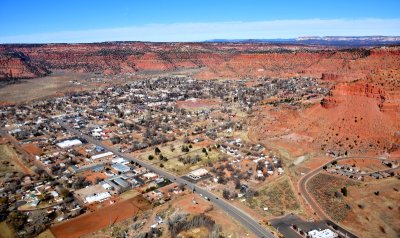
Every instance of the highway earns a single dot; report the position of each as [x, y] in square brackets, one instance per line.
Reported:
[247, 221]
[311, 201]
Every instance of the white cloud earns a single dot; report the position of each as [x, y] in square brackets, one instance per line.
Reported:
[220, 30]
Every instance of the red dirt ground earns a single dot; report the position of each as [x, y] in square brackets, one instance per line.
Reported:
[32, 149]
[91, 176]
[187, 204]
[316, 162]
[198, 103]
[354, 119]
[92, 222]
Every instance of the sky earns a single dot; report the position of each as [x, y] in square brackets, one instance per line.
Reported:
[75, 21]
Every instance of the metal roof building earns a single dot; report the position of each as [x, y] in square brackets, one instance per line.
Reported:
[98, 197]
[327, 233]
[69, 143]
[121, 182]
[121, 167]
[99, 156]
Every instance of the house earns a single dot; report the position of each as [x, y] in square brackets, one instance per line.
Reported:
[97, 168]
[159, 220]
[149, 176]
[258, 159]
[120, 160]
[197, 140]
[376, 175]
[138, 170]
[106, 186]
[54, 193]
[260, 174]
[159, 181]
[280, 171]
[155, 195]
[198, 173]
[243, 188]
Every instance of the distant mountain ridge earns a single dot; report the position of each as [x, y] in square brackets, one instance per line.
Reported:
[357, 41]
[347, 38]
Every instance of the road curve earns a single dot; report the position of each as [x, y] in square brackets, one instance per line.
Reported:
[247, 221]
[311, 201]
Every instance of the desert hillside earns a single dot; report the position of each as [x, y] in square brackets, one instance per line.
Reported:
[214, 60]
[354, 118]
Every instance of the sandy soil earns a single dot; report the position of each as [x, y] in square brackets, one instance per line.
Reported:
[5, 231]
[46, 234]
[374, 215]
[52, 85]
[8, 154]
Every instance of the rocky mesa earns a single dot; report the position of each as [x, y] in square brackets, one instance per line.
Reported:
[213, 60]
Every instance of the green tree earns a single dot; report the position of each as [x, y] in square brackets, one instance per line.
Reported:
[344, 191]
[226, 194]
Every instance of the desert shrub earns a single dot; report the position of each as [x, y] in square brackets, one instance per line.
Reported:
[344, 191]
[179, 222]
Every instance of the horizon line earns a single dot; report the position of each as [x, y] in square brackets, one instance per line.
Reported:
[206, 31]
[237, 40]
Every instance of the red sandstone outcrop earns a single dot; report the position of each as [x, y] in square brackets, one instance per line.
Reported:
[17, 65]
[329, 77]
[357, 117]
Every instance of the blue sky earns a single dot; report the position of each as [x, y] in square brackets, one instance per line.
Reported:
[96, 20]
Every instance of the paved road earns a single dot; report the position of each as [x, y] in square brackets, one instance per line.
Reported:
[246, 220]
[314, 205]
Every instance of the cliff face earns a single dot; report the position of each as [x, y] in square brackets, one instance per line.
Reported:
[215, 60]
[17, 65]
